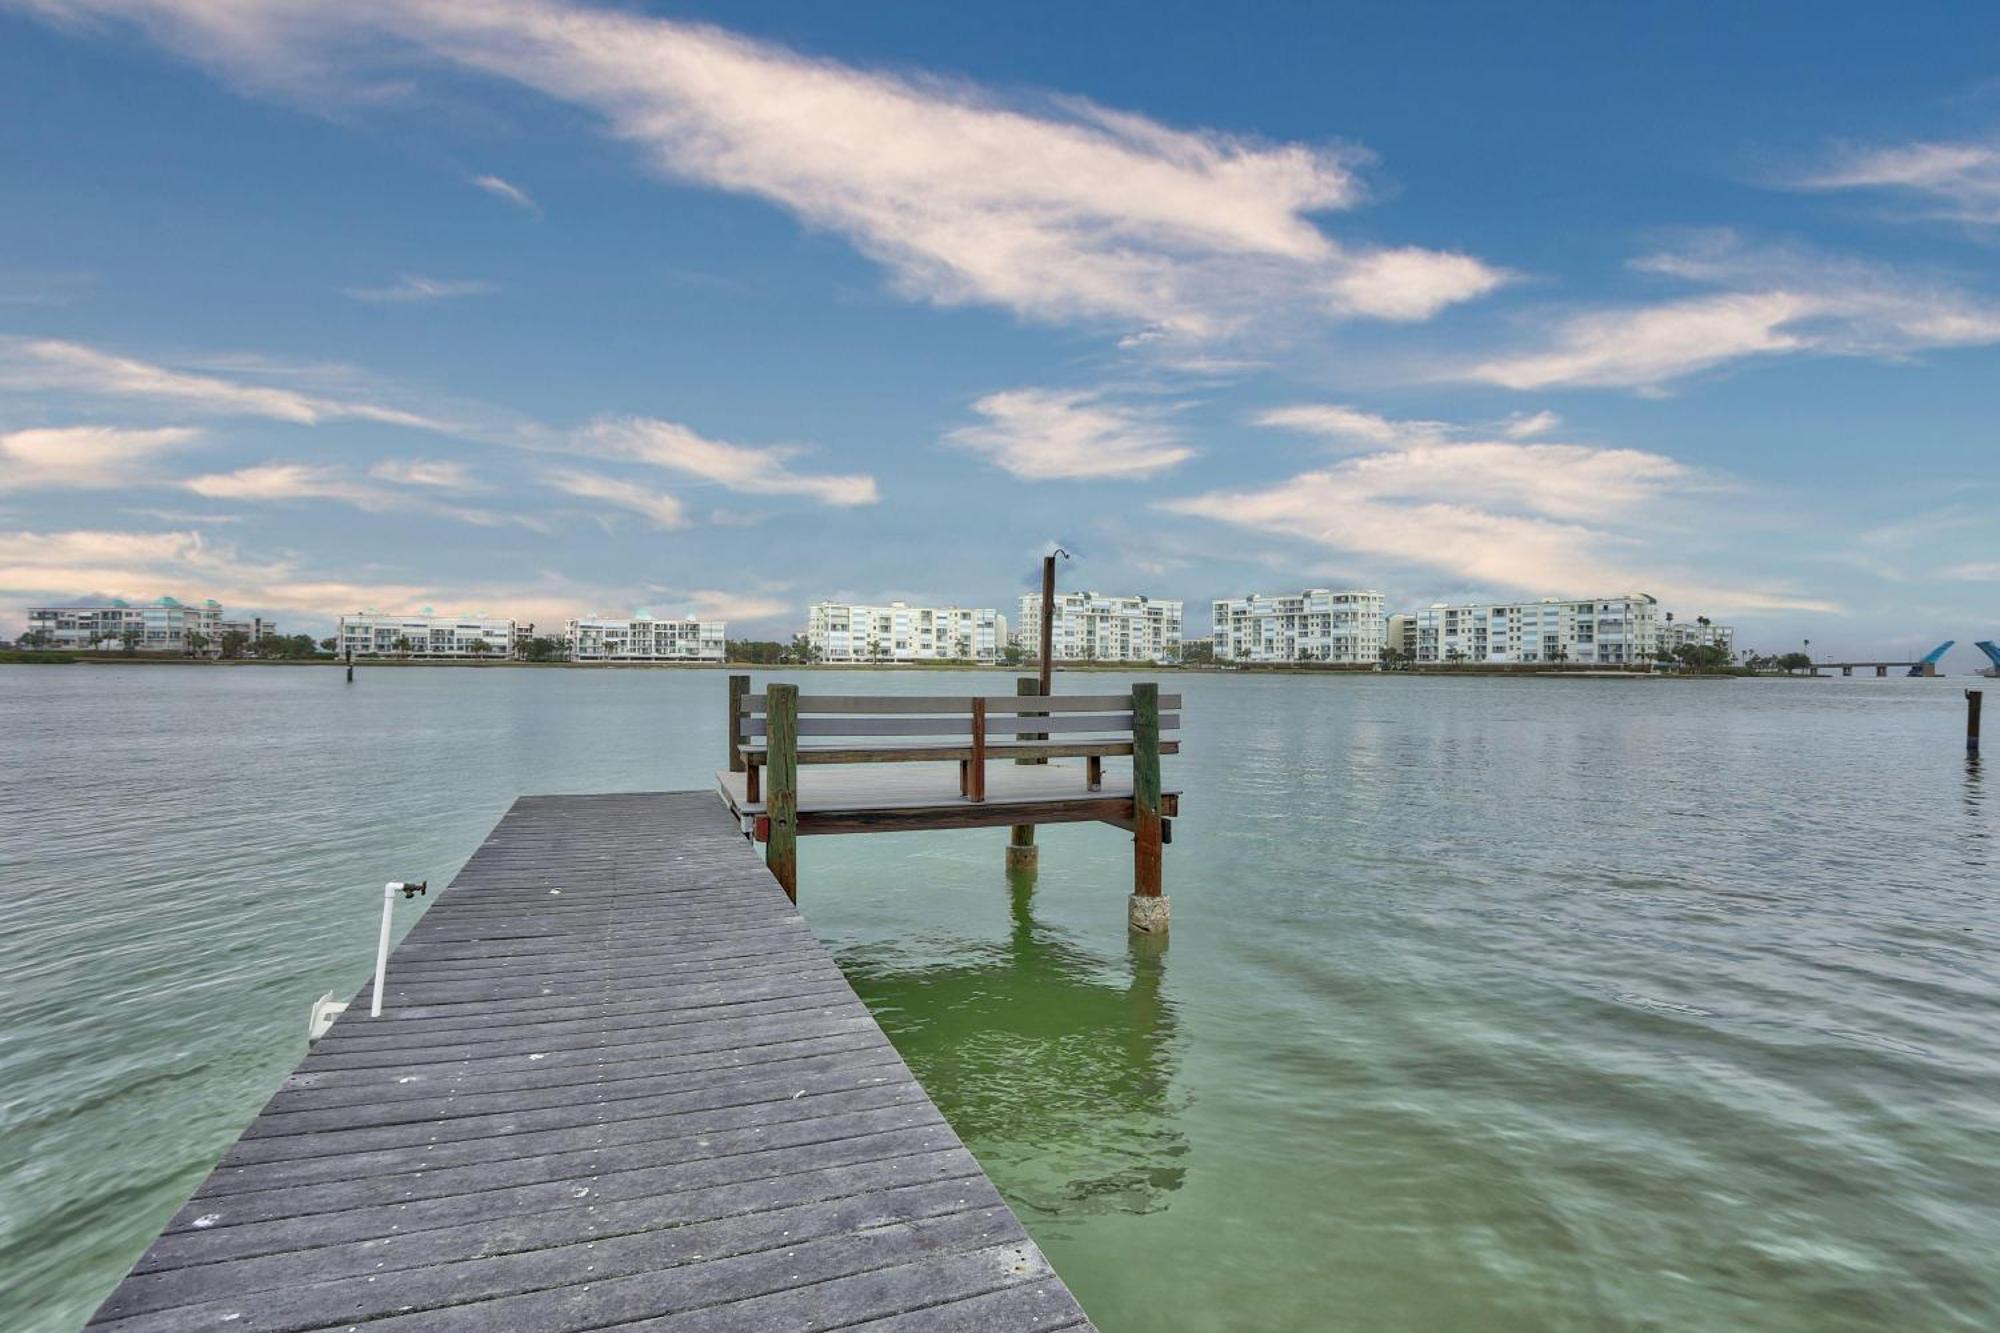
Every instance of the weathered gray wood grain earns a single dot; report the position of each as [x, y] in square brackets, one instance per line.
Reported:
[616, 1080]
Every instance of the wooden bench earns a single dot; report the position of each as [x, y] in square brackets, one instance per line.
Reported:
[773, 734]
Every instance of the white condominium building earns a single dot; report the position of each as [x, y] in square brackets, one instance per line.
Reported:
[162, 626]
[1679, 633]
[1317, 625]
[1096, 627]
[1606, 631]
[1403, 635]
[376, 634]
[253, 629]
[899, 632]
[644, 639]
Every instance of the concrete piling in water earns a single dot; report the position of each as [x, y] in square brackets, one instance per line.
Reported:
[1973, 698]
[350, 666]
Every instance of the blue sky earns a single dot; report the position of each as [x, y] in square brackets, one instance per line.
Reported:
[527, 306]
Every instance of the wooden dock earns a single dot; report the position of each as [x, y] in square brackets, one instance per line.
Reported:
[616, 1080]
[847, 740]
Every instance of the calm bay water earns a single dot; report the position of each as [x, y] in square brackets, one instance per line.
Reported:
[1489, 1004]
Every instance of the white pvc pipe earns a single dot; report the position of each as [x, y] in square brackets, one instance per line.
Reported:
[382, 950]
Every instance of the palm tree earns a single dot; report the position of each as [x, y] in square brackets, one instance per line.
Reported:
[479, 647]
[130, 638]
[402, 644]
[197, 643]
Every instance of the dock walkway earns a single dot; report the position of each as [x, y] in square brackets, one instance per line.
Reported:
[616, 1081]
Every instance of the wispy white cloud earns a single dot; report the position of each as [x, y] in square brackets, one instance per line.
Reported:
[278, 482]
[501, 188]
[749, 469]
[413, 288]
[285, 481]
[1534, 518]
[49, 365]
[1351, 425]
[1978, 571]
[53, 370]
[1057, 209]
[1777, 301]
[1410, 285]
[663, 509]
[60, 565]
[1053, 434]
[1648, 345]
[87, 563]
[1947, 181]
[443, 474]
[83, 457]
[1525, 426]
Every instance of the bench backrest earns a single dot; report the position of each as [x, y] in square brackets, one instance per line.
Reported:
[920, 716]
[784, 729]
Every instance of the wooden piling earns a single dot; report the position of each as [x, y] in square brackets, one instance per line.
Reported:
[739, 686]
[781, 734]
[1148, 911]
[1973, 699]
[350, 664]
[1048, 627]
[978, 785]
[1021, 853]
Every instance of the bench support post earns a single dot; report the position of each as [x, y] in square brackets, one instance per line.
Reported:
[1149, 908]
[975, 786]
[1022, 854]
[739, 686]
[781, 723]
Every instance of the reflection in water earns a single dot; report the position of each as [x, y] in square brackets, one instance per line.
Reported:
[1056, 1072]
[1975, 800]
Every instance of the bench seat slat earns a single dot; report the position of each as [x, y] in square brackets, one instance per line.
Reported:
[753, 704]
[754, 753]
[960, 726]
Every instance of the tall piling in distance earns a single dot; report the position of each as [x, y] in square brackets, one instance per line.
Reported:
[1021, 852]
[1973, 698]
[350, 664]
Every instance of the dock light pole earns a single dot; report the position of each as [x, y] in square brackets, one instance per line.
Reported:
[410, 890]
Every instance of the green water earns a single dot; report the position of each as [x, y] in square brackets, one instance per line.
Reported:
[1489, 1004]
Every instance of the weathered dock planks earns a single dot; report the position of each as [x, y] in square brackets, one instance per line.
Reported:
[616, 1081]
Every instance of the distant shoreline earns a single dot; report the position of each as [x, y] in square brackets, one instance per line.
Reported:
[1579, 671]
